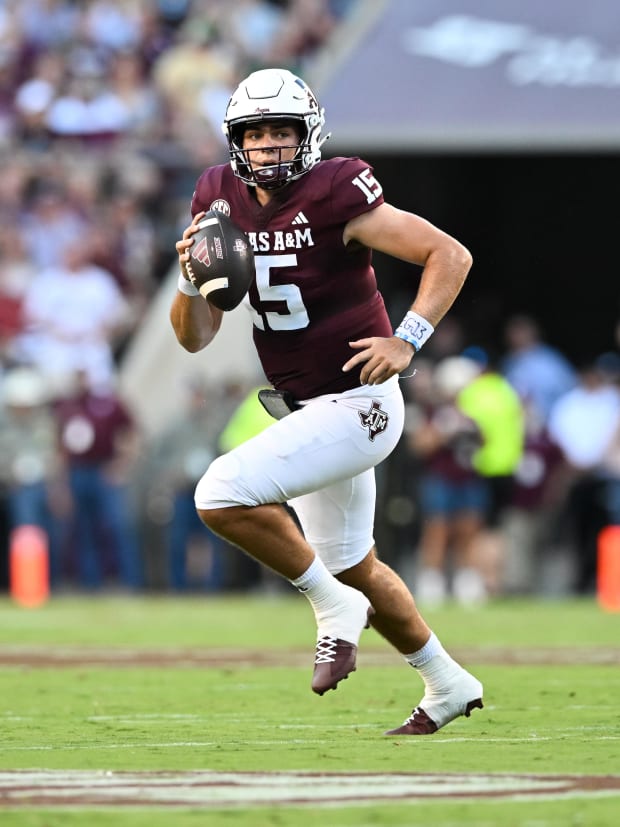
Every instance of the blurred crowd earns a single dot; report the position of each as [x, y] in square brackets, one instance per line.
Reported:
[109, 109]
[510, 461]
[509, 467]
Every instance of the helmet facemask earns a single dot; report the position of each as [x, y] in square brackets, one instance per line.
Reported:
[277, 96]
[280, 172]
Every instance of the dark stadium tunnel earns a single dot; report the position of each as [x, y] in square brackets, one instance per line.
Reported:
[542, 229]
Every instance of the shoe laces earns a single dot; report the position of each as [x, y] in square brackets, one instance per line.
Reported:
[326, 649]
[412, 718]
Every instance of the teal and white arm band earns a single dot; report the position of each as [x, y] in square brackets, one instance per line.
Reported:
[414, 329]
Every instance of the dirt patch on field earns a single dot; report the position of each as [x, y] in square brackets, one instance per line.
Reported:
[202, 658]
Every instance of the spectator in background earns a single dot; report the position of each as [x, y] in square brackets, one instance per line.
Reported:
[493, 404]
[532, 543]
[81, 189]
[198, 62]
[125, 244]
[34, 97]
[453, 497]
[131, 87]
[51, 225]
[585, 424]
[112, 26]
[100, 442]
[537, 371]
[498, 411]
[87, 109]
[74, 316]
[30, 470]
[195, 557]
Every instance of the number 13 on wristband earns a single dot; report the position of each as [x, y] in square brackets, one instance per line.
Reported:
[414, 329]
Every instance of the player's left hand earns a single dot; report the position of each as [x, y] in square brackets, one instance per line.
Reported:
[381, 358]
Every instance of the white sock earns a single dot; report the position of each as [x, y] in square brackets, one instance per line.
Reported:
[313, 576]
[332, 603]
[434, 664]
[423, 655]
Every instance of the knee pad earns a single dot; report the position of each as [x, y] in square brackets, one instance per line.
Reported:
[222, 485]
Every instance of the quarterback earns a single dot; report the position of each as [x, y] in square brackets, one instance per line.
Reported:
[330, 352]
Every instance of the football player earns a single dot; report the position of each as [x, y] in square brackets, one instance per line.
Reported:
[327, 346]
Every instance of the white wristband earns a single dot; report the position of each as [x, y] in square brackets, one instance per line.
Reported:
[414, 329]
[186, 287]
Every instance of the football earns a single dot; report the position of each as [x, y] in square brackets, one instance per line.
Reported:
[221, 262]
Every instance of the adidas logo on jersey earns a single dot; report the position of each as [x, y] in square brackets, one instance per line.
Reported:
[300, 218]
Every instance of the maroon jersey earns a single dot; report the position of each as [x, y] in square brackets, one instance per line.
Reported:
[312, 295]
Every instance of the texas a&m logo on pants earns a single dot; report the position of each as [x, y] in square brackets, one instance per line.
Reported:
[375, 419]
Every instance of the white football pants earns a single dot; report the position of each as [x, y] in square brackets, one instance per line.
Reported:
[320, 459]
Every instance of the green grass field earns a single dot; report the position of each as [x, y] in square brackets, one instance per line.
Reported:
[163, 686]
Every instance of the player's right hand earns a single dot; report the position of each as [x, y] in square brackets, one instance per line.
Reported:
[380, 357]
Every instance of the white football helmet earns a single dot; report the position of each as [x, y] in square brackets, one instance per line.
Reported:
[274, 95]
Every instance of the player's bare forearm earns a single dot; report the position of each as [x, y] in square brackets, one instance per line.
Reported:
[195, 321]
[444, 274]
